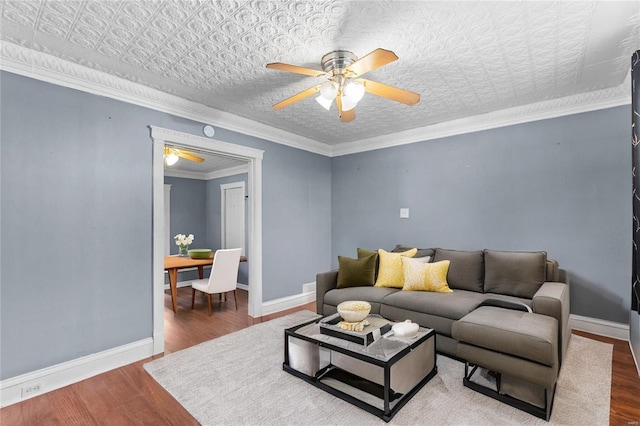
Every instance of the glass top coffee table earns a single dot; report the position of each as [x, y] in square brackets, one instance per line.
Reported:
[378, 373]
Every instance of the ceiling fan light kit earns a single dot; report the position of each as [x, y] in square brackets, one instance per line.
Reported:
[172, 155]
[326, 103]
[171, 159]
[329, 90]
[354, 90]
[342, 69]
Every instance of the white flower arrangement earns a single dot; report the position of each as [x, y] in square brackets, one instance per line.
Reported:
[183, 241]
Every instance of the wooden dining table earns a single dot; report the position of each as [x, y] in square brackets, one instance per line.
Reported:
[174, 263]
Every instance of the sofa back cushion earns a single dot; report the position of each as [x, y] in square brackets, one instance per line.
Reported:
[466, 271]
[553, 271]
[422, 252]
[518, 274]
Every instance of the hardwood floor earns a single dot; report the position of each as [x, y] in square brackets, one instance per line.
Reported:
[129, 396]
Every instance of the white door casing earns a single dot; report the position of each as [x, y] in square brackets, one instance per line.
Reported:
[232, 215]
[253, 156]
[167, 219]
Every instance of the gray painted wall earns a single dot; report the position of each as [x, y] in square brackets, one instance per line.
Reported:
[562, 185]
[188, 216]
[76, 225]
[188, 211]
[76, 203]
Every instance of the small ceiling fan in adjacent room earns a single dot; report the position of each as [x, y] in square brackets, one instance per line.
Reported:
[172, 155]
[343, 69]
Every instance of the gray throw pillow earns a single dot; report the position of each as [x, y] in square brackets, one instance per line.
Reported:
[466, 271]
[514, 273]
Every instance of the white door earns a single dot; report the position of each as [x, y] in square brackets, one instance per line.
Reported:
[232, 202]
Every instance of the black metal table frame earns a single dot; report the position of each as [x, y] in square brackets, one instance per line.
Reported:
[386, 414]
[541, 412]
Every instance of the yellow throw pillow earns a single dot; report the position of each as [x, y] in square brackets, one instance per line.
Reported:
[390, 273]
[426, 276]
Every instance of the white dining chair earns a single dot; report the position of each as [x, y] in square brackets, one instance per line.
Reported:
[223, 277]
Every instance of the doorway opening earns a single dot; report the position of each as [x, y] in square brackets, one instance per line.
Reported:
[253, 157]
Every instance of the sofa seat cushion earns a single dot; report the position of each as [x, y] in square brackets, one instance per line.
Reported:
[369, 294]
[441, 325]
[522, 334]
[447, 305]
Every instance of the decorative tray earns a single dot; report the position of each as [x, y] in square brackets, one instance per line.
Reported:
[376, 328]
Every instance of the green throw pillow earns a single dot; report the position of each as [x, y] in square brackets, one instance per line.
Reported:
[356, 272]
[366, 253]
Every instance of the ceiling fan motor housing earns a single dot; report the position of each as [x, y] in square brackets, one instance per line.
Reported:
[335, 62]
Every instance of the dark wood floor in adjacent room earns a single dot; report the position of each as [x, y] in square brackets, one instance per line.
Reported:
[129, 396]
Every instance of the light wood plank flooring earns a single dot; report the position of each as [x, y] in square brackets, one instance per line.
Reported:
[129, 396]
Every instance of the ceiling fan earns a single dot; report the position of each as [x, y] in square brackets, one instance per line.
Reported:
[343, 69]
[171, 155]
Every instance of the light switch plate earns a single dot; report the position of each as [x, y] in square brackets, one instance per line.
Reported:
[404, 213]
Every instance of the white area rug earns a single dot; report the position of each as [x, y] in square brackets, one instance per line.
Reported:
[238, 379]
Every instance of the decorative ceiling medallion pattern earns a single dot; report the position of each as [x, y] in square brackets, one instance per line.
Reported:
[463, 58]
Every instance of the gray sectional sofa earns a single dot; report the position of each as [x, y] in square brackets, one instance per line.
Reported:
[507, 315]
[525, 278]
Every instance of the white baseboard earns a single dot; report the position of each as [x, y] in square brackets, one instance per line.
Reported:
[188, 284]
[179, 285]
[600, 327]
[276, 305]
[635, 359]
[66, 373]
[184, 283]
[309, 287]
[284, 303]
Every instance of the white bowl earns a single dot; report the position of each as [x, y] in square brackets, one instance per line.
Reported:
[354, 310]
[405, 329]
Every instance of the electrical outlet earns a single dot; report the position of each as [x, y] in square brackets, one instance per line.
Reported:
[28, 391]
[404, 213]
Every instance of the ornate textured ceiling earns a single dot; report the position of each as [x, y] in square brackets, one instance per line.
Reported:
[465, 59]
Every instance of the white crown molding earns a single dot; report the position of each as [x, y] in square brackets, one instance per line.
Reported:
[585, 102]
[40, 66]
[44, 67]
